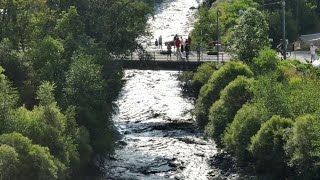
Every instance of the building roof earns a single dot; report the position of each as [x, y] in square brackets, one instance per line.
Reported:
[308, 38]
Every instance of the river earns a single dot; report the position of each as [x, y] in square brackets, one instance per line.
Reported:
[159, 137]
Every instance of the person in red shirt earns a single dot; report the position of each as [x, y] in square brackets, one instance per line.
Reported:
[178, 43]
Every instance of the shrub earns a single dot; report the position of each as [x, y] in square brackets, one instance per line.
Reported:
[266, 61]
[210, 92]
[303, 146]
[246, 123]
[203, 74]
[267, 146]
[222, 112]
[35, 162]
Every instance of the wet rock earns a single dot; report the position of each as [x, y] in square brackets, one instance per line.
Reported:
[199, 154]
[155, 115]
[122, 143]
[192, 8]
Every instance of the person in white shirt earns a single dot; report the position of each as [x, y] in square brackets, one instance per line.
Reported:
[313, 52]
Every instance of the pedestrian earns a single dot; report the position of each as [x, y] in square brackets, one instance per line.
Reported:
[182, 43]
[178, 44]
[156, 43]
[189, 40]
[174, 42]
[169, 51]
[187, 49]
[198, 49]
[160, 42]
[313, 52]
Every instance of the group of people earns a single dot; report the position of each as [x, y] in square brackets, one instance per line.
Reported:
[180, 46]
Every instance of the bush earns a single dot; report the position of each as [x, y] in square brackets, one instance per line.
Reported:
[222, 112]
[203, 74]
[288, 99]
[267, 146]
[303, 146]
[267, 61]
[246, 123]
[210, 92]
[34, 161]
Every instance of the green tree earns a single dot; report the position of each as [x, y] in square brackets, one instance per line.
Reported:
[250, 35]
[116, 24]
[9, 162]
[222, 112]
[86, 90]
[266, 62]
[8, 102]
[210, 92]
[303, 146]
[267, 146]
[48, 62]
[35, 162]
[245, 124]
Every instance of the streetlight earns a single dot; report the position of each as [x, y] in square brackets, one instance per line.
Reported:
[218, 42]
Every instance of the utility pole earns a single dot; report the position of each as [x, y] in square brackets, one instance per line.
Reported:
[218, 48]
[284, 40]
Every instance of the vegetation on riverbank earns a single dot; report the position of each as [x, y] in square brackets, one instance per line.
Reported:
[302, 17]
[58, 84]
[268, 116]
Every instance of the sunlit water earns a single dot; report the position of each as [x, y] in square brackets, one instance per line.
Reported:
[160, 139]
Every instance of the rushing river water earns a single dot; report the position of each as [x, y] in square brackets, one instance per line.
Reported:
[160, 139]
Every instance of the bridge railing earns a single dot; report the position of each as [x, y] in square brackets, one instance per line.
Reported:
[162, 55]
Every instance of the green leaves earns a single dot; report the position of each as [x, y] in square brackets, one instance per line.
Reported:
[250, 35]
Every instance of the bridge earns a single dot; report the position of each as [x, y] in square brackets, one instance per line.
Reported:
[157, 60]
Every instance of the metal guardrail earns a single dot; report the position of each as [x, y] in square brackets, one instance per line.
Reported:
[158, 55]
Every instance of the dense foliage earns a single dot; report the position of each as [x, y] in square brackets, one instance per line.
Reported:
[210, 92]
[249, 36]
[302, 17]
[58, 81]
[274, 124]
[232, 97]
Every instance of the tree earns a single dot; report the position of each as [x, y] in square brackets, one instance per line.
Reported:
[8, 101]
[210, 92]
[303, 146]
[86, 90]
[9, 162]
[245, 124]
[222, 112]
[266, 62]
[32, 161]
[267, 146]
[48, 62]
[250, 35]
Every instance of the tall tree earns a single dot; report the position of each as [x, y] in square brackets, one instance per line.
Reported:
[250, 35]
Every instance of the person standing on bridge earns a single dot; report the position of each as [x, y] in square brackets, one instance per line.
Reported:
[189, 40]
[169, 51]
[313, 52]
[156, 43]
[187, 49]
[182, 44]
[160, 42]
[198, 49]
[178, 44]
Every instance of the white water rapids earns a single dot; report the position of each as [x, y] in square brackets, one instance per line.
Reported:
[160, 139]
